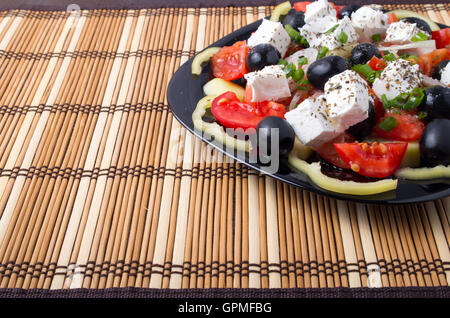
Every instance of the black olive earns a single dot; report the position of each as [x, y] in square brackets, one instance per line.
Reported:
[437, 70]
[261, 56]
[364, 128]
[436, 102]
[348, 10]
[434, 145]
[285, 139]
[320, 71]
[362, 53]
[421, 24]
[295, 19]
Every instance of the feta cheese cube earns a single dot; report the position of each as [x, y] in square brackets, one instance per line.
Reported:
[311, 123]
[270, 83]
[272, 33]
[330, 36]
[368, 22]
[398, 77]
[402, 32]
[347, 96]
[319, 9]
[445, 75]
[309, 53]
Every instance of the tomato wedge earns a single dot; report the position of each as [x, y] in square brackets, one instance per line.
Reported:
[377, 160]
[392, 18]
[232, 113]
[379, 109]
[229, 62]
[428, 61]
[301, 6]
[442, 38]
[377, 64]
[408, 126]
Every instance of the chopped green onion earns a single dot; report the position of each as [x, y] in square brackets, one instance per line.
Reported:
[422, 114]
[343, 37]
[298, 75]
[282, 62]
[389, 57]
[419, 37]
[302, 60]
[332, 29]
[388, 124]
[296, 36]
[404, 101]
[366, 71]
[376, 37]
[289, 69]
[323, 51]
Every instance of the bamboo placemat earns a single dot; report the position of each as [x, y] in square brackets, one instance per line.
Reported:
[100, 187]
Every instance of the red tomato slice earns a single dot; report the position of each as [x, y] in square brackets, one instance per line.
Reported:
[377, 64]
[378, 105]
[301, 6]
[377, 160]
[392, 18]
[229, 62]
[409, 126]
[442, 38]
[328, 152]
[232, 113]
[428, 61]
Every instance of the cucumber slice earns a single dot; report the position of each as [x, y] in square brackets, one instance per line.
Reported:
[201, 58]
[312, 170]
[301, 151]
[279, 10]
[407, 13]
[424, 173]
[218, 86]
[214, 129]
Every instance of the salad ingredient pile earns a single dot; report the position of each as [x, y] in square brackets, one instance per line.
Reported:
[366, 91]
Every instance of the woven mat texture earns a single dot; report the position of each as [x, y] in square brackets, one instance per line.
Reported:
[93, 193]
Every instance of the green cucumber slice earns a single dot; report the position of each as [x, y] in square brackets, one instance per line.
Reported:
[201, 58]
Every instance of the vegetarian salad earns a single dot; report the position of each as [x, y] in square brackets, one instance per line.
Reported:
[360, 97]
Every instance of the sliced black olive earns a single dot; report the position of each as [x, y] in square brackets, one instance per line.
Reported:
[362, 53]
[348, 10]
[421, 24]
[434, 144]
[437, 70]
[364, 128]
[436, 102]
[265, 133]
[321, 70]
[261, 56]
[295, 19]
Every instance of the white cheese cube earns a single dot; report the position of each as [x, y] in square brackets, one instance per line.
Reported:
[332, 40]
[347, 97]
[309, 53]
[270, 83]
[272, 33]
[445, 75]
[311, 123]
[368, 22]
[402, 32]
[398, 77]
[319, 9]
